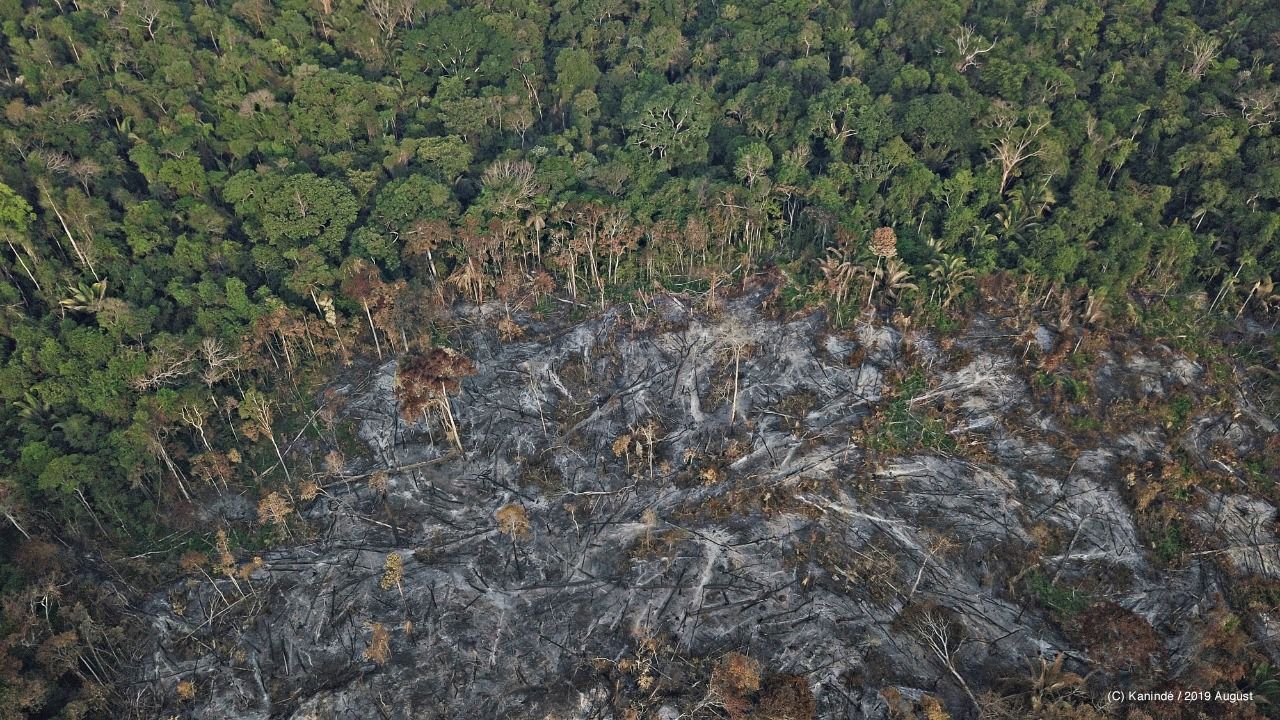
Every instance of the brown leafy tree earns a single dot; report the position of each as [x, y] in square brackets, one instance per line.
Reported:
[422, 239]
[425, 381]
[364, 284]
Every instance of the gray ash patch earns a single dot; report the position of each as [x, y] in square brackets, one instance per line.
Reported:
[673, 517]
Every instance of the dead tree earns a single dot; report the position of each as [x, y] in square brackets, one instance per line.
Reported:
[391, 14]
[942, 636]
[1016, 143]
[84, 254]
[1202, 52]
[425, 381]
[363, 283]
[256, 411]
[1260, 108]
[969, 43]
[10, 506]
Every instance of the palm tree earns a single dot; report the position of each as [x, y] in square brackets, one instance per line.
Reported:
[884, 243]
[895, 280]
[949, 274]
[85, 298]
[838, 277]
[1022, 214]
[536, 221]
[469, 279]
[33, 409]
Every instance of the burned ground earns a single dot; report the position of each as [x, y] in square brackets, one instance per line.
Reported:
[732, 516]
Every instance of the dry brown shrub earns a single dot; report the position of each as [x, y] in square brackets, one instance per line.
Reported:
[621, 445]
[192, 561]
[308, 489]
[933, 709]
[186, 691]
[247, 570]
[513, 521]
[1117, 640]
[213, 467]
[379, 650]
[392, 571]
[733, 681]
[787, 697]
[509, 330]
[274, 509]
[226, 562]
[334, 463]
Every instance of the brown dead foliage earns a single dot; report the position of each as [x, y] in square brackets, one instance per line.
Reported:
[785, 697]
[1121, 643]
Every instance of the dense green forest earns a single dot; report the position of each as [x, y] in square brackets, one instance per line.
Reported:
[205, 203]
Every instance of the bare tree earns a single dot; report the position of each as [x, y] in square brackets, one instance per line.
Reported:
[364, 283]
[1016, 143]
[147, 13]
[219, 362]
[83, 253]
[1261, 107]
[1202, 51]
[969, 43]
[27, 268]
[942, 636]
[256, 409]
[164, 365]
[735, 344]
[9, 506]
[391, 14]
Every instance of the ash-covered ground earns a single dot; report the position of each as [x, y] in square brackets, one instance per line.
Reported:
[687, 516]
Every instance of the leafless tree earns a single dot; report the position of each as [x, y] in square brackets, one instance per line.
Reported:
[147, 13]
[85, 171]
[512, 183]
[1261, 107]
[194, 416]
[969, 43]
[1016, 143]
[219, 362]
[164, 366]
[1202, 51]
[736, 344]
[256, 408]
[52, 160]
[389, 14]
[9, 506]
[1034, 11]
[942, 636]
[83, 251]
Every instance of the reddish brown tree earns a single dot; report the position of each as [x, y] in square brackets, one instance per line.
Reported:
[425, 381]
[363, 283]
